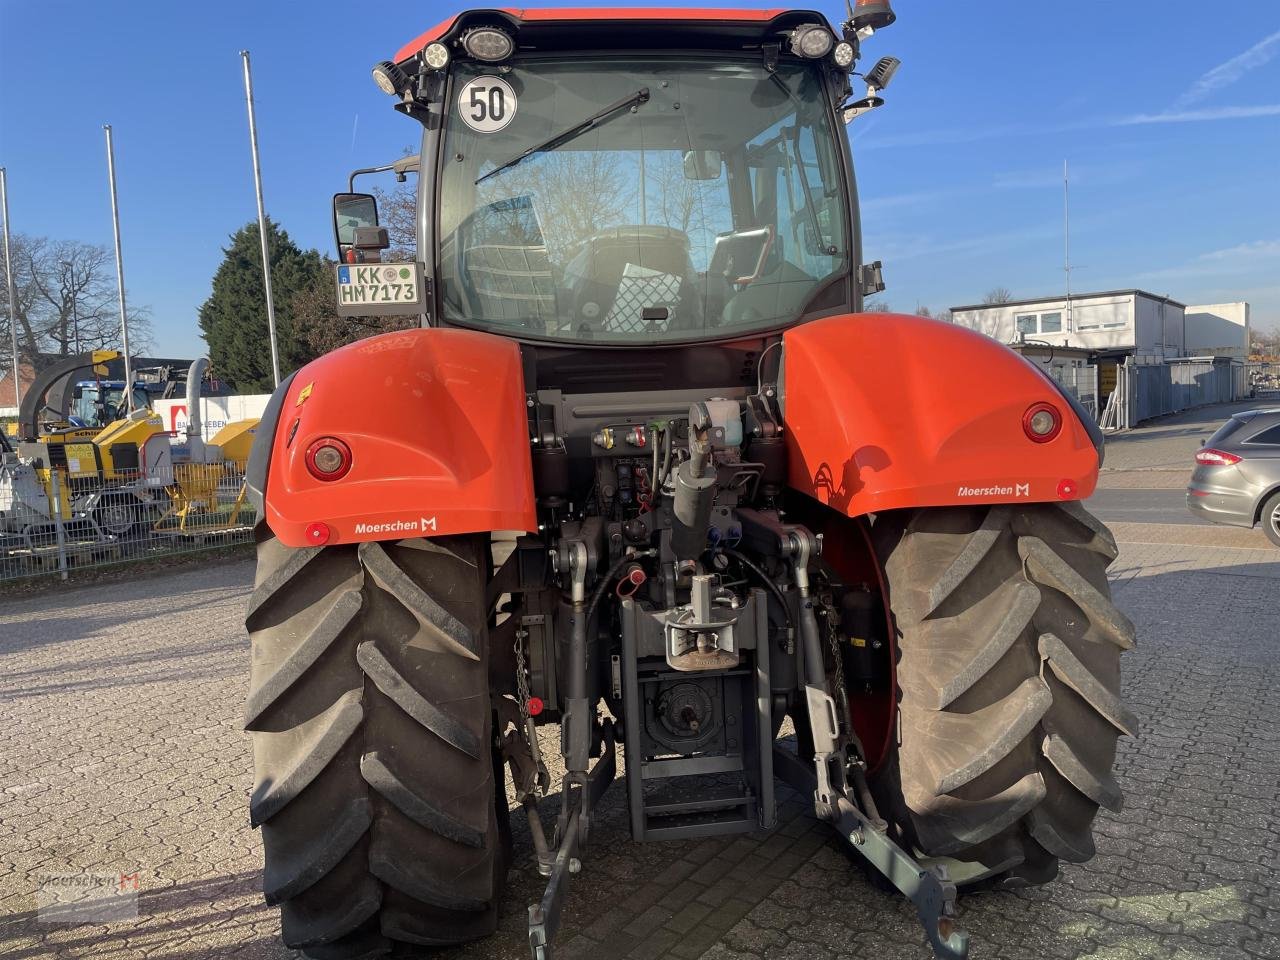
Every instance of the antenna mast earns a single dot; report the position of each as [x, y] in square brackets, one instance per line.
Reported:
[1066, 241]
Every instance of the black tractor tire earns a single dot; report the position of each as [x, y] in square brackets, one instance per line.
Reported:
[1270, 517]
[1008, 669]
[371, 722]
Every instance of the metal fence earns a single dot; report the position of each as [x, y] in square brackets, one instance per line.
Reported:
[1082, 383]
[1147, 390]
[53, 522]
[1263, 380]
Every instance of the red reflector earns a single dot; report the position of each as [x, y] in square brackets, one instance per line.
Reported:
[328, 459]
[317, 534]
[535, 706]
[1042, 422]
[1067, 489]
[1200, 493]
[1216, 458]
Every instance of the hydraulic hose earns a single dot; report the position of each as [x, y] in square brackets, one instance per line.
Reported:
[764, 578]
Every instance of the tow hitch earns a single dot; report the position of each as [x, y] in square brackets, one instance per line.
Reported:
[933, 895]
[578, 803]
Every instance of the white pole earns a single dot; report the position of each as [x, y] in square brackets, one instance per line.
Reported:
[262, 221]
[115, 223]
[13, 300]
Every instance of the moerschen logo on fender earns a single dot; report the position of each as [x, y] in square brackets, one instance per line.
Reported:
[1016, 490]
[421, 525]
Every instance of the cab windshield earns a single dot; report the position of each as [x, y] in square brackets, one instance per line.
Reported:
[97, 404]
[710, 202]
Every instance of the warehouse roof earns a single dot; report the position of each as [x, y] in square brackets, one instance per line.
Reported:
[1074, 297]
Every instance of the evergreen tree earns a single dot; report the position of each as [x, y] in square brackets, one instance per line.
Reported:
[233, 320]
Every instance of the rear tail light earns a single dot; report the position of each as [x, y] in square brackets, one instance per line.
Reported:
[328, 459]
[1216, 458]
[1042, 422]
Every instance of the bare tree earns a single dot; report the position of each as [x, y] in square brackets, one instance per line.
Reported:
[66, 295]
[998, 295]
[876, 305]
[398, 212]
[576, 194]
[321, 329]
[924, 312]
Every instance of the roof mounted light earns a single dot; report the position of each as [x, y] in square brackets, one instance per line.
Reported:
[878, 77]
[843, 56]
[875, 14]
[488, 43]
[811, 40]
[390, 78]
[436, 56]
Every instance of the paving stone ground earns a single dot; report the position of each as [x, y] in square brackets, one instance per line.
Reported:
[121, 751]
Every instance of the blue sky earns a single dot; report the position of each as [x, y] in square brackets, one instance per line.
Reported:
[1168, 111]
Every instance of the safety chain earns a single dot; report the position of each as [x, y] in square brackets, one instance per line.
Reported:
[522, 674]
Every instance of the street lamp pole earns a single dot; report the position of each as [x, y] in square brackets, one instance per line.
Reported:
[13, 299]
[262, 220]
[124, 322]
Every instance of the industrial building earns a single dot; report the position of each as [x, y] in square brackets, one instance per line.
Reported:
[1090, 342]
[1115, 325]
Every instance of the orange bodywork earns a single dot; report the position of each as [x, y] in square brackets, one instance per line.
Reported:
[435, 421]
[884, 411]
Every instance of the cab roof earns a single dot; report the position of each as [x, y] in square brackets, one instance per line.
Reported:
[577, 28]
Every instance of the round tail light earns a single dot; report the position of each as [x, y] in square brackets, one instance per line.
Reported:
[1042, 422]
[328, 459]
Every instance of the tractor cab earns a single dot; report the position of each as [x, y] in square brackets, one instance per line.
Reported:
[688, 181]
[97, 403]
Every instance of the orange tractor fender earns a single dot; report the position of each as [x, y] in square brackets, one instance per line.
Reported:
[434, 434]
[885, 411]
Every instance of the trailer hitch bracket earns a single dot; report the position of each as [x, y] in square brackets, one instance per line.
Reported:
[544, 916]
[933, 895]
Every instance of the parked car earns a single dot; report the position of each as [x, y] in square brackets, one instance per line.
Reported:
[1237, 475]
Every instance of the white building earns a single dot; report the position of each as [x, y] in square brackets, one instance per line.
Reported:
[1219, 329]
[1110, 326]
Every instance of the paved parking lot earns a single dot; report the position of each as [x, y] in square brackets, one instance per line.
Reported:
[121, 751]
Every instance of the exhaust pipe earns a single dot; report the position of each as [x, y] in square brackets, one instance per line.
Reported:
[195, 424]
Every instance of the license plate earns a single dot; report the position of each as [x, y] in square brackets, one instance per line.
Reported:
[379, 284]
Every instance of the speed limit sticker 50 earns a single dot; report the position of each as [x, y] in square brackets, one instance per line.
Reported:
[487, 104]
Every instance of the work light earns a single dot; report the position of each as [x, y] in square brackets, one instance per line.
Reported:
[436, 56]
[389, 78]
[488, 43]
[843, 55]
[811, 40]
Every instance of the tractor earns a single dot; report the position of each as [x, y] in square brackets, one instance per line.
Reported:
[655, 478]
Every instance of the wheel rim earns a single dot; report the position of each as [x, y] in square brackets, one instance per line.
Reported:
[116, 518]
[1275, 520]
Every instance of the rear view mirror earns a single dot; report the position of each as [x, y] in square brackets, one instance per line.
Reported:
[351, 211]
[703, 164]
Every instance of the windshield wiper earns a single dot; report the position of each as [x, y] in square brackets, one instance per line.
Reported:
[637, 98]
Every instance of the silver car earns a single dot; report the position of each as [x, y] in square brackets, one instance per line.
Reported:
[1237, 476]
